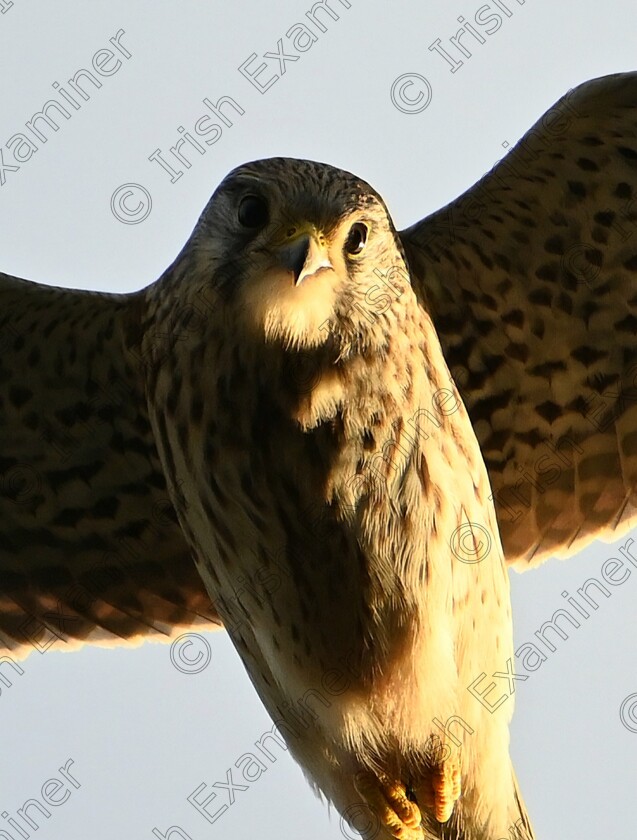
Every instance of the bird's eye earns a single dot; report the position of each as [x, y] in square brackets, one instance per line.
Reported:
[356, 239]
[253, 211]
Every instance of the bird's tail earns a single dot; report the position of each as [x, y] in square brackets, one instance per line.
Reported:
[520, 827]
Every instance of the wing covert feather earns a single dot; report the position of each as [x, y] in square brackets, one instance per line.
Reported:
[531, 279]
[90, 548]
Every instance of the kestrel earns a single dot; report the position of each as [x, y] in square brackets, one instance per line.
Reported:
[277, 408]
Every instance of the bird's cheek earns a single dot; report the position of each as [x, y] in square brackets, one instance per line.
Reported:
[298, 315]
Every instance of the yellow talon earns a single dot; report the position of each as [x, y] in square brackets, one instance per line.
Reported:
[442, 791]
[388, 800]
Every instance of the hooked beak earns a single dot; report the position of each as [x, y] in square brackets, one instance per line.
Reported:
[305, 258]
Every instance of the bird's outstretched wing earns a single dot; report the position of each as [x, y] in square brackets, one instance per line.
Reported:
[89, 545]
[531, 279]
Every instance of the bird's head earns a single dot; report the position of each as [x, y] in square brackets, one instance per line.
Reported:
[300, 250]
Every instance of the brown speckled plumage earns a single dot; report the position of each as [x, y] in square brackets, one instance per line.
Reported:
[288, 440]
[347, 483]
[531, 279]
[89, 545]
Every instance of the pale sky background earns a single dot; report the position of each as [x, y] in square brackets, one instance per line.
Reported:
[142, 735]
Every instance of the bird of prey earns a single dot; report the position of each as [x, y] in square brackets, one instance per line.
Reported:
[269, 439]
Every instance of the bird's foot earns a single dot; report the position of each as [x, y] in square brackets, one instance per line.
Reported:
[388, 800]
[441, 791]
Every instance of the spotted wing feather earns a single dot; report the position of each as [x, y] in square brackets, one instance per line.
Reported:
[90, 549]
[531, 277]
